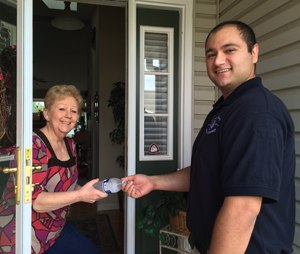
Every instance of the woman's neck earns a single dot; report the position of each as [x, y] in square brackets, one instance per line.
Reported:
[52, 135]
[57, 143]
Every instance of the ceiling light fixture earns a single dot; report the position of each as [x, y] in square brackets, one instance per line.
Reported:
[67, 20]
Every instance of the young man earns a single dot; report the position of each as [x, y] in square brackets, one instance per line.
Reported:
[241, 179]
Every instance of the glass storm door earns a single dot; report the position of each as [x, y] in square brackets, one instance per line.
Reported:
[15, 131]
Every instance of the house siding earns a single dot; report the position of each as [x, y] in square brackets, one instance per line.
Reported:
[277, 25]
[205, 93]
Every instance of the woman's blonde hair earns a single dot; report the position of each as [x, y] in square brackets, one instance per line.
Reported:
[59, 92]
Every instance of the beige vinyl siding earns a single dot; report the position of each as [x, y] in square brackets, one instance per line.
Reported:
[277, 26]
[205, 93]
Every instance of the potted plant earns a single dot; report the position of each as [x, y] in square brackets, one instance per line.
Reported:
[117, 103]
[117, 135]
[170, 208]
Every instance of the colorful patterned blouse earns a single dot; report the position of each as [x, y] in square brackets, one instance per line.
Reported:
[55, 176]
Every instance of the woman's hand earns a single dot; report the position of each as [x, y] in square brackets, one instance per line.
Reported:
[89, 194]
[50, 201]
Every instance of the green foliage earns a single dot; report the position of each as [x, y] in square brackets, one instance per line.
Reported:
[117, 103]
[151, 218]
[121, 161]
[37, 107]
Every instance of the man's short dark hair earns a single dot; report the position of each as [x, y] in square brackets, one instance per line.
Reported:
[246, 32]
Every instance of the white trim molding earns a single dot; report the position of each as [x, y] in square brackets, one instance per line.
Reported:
[168, 114]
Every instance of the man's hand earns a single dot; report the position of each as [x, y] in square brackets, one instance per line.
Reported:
[137, 185]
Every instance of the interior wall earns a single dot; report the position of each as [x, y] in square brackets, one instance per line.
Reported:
[59, 57]
[111, 69]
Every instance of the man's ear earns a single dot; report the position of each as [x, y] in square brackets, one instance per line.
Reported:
[255, 52]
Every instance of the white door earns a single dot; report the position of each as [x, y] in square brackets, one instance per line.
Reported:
[15, 126]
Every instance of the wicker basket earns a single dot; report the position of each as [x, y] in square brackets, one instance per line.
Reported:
[178, 223]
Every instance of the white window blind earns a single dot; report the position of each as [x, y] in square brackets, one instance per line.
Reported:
[156, 93]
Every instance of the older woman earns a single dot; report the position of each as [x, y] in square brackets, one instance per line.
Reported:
[55, 186]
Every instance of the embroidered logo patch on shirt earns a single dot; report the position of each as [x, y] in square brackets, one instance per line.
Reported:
[213, 125]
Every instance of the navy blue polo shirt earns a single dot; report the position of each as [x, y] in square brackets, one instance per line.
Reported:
[245, 148]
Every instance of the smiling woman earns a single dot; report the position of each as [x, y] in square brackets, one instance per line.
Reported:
[55, 185]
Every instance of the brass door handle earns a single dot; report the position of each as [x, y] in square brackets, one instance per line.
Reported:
[8, 170]
[36, 167]
[17, 170]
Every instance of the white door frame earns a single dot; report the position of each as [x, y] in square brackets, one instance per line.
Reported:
[24, 122]
[185, 8]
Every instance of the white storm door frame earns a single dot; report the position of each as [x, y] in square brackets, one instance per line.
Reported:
[24, 120]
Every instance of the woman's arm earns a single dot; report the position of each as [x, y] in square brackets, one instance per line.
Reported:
[50, 201]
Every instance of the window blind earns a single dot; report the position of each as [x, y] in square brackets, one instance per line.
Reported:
[156, 94]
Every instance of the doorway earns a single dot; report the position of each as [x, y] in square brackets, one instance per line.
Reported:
[185, 8]
[94, 59]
